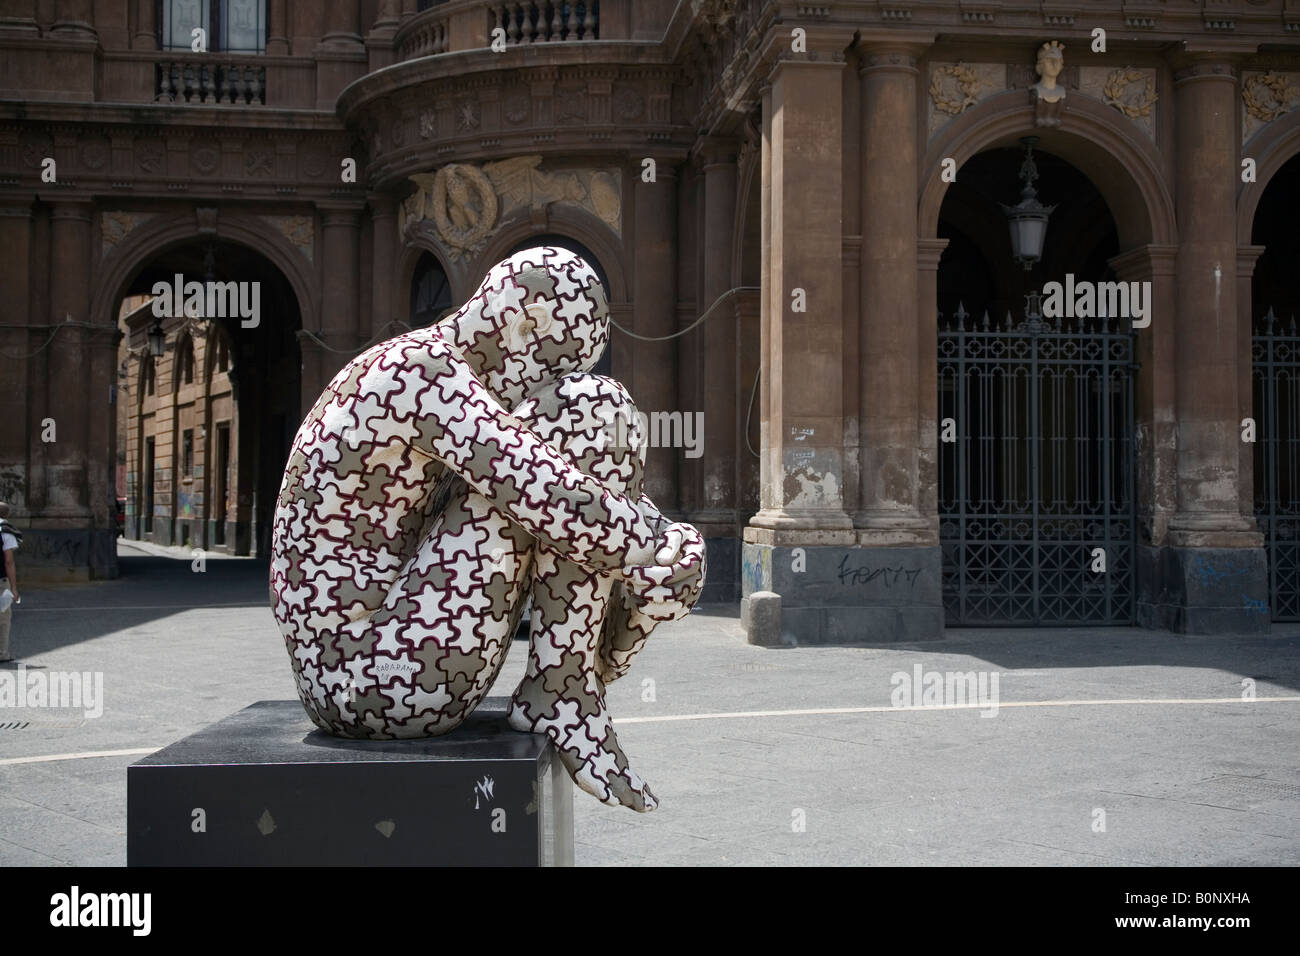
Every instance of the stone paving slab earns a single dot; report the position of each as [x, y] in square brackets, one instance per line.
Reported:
[1181, 784]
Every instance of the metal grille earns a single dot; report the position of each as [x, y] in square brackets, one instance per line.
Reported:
[1040, 473]
[1275, 361]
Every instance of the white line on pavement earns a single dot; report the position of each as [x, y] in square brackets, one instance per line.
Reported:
[8, 761]
[822, 711]
[810, 712]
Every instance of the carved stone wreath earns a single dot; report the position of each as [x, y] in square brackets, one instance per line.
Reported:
[959, 93]
[461, 225]
[1267, 96]
[1120, 94]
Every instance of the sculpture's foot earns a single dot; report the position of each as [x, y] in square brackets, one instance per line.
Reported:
[585, 740]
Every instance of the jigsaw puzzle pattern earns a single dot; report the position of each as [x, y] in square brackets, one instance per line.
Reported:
[443, 476]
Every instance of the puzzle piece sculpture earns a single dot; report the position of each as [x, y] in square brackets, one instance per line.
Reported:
[443, 478]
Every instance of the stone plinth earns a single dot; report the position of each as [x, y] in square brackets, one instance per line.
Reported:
[264, 787]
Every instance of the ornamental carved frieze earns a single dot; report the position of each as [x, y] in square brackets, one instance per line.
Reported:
[1128, 90]
[953, 88]
[115, 225]
[298, 230]
[1266, 97]
[461, 204]
[956, 87]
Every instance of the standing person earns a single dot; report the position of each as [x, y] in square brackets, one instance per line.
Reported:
[10, 538]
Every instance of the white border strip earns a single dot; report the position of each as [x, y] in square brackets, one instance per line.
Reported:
[10, 761]
[823, 711]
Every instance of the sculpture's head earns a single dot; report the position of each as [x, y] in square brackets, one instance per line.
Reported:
[537, 316]
[1051, 61]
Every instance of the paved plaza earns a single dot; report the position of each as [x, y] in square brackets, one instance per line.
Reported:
[1106, 747]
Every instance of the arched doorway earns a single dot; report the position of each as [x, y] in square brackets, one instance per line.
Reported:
[430, 292]
[1036, 484]
[1275, 361]
[216, 412]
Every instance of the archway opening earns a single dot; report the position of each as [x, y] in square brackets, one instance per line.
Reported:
[204, 440]
[1036, 401]
[1275, 377]
[430, 297]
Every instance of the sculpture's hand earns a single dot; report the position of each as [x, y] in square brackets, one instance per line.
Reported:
[668, 589]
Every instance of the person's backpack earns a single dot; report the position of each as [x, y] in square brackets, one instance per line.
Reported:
[7, 528]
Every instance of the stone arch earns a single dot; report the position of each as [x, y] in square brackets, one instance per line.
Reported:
[1271, 148]
[155, 236]
[576, 224]
[409, 259]
[1126, 170]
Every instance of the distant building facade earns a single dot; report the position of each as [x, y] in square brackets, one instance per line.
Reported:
[800, 212]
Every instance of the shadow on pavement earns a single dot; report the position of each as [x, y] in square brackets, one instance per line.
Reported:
[149, 588]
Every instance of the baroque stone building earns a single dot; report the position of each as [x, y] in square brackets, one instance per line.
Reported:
[801, 215]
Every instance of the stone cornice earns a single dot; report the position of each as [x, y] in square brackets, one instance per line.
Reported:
[484, 65]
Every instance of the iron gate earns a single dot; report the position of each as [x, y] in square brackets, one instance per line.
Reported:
[1275, 361]
[1037, 471]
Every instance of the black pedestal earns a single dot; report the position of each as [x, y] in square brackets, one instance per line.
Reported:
[265, 787]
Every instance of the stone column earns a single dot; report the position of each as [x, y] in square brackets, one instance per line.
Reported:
[383, 260]
[928, 252]
[18, 18]
[73, 19]
[803, 470]
[342, 24]
[17, 447]
[66, 492]
[654, 370]
[888, 355]
[1247, 256]
[716, 514]
[146, 29]
[340, 55]
[1215, 569]
[379, 41]
[1155, 444]
[277, 37]
[340, 312]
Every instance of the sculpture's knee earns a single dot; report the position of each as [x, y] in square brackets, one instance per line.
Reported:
[592, 421]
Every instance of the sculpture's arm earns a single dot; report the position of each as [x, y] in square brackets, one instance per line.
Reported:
[463, 425]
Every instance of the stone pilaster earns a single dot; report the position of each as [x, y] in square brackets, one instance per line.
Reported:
[73, 19]
[277, 38]
[928, 252]
[341, 54]
[889, 397]
[383, 257]
[16, 340]
[65, 489]
[1213, 571]
[1247, 256]
[717, 335]
[379, 41]
[340, 286]
[795, 542]
[146, 37]
[654, 378]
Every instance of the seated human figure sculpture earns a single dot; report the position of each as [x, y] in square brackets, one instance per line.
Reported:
[444, 477]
